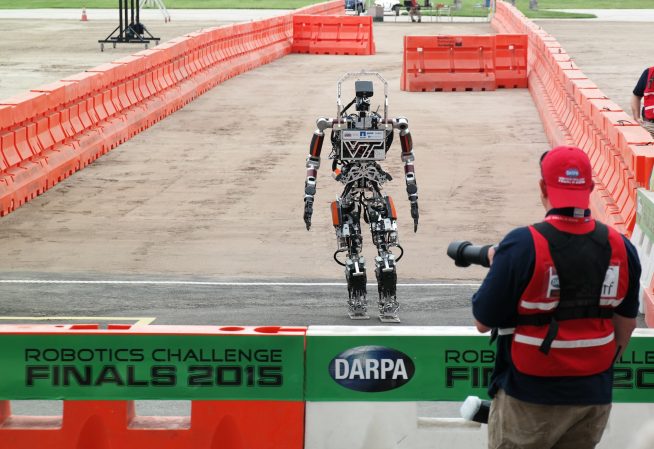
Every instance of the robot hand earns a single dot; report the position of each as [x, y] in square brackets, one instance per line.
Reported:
[308, 211]
[415, 214]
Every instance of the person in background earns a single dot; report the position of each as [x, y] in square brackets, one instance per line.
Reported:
[561, 298]
[644, 89]
[414, 10]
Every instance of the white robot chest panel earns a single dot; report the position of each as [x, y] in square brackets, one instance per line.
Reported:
[363, 145]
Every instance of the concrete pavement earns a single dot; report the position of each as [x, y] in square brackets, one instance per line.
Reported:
[615, 15]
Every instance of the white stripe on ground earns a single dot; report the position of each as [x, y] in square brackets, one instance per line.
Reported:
[217, 284]
[142, 321]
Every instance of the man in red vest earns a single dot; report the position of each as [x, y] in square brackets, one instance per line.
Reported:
[561, 297]
[644, 89]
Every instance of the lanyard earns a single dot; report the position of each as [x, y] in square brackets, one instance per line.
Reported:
[569, 215]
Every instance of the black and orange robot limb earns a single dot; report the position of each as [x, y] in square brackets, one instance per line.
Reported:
[360, 141]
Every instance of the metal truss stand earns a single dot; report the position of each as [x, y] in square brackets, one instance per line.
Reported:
[130, 30]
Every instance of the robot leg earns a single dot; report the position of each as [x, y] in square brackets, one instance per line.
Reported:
[386, 272]
[384, 231]
[355, 274]
[346, 220]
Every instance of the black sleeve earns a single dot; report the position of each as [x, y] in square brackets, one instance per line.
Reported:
[495, 304]
[629, 306]
[639, 90]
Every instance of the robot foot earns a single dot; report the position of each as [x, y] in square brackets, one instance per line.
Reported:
[388, 310]
[358, 310]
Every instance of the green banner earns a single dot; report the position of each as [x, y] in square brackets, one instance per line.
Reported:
[436, 368]
[645, 215]
[101, 366]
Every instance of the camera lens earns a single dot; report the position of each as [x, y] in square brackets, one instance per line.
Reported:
[465, 253]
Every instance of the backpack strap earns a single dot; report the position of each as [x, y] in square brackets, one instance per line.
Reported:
[577, 299]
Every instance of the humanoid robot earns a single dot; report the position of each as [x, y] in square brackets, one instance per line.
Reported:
[360, 141]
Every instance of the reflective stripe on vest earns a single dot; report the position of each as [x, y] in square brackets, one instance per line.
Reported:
[648, 102]
[587, 343]
[539, 305]
[545, 306]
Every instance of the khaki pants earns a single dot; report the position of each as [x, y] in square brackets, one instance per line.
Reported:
[514, 424]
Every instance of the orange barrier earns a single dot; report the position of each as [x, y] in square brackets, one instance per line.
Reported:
[510, 60]
[333, 8]
[464, 63]
[54, 130]
[113, 424]
[333, 35]
[575, 112]
[243, 364]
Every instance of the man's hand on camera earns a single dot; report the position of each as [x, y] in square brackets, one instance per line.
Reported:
[491, 253]
[308, 210]
[415, 214]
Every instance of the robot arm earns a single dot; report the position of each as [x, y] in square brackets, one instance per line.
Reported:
[313, 164]
[402, 125]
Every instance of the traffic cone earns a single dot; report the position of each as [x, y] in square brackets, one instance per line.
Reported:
[84, 18]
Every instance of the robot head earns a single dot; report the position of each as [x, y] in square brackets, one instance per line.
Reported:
[364, 90]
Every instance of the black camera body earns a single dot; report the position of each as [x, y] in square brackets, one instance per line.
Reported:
[465, 254]
[364, 91]
[475, 409]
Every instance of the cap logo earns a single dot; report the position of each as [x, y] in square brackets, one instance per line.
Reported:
[572, 177]
[572, 181]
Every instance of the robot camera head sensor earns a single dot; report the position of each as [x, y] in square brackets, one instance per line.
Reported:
[364, 89]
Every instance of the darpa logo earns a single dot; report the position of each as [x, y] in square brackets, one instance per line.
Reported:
[572, 173]
[371, 369]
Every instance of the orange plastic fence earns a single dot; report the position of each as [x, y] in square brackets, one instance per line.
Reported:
[54, 130]
[111, 424]
[342, 35]
[333, 8]
[575, 112]
[464, 63]
[510, 60]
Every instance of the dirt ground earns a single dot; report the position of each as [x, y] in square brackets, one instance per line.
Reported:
[612, 54]
[36, 51]
[215, 190]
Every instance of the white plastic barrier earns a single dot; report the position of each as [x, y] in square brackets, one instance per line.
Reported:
[365, 386]
[385, 425]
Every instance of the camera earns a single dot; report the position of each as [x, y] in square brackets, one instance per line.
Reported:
[475, 409]
[465, 253]
[364, 90]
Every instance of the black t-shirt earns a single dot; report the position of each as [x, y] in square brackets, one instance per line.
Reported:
[639, 90]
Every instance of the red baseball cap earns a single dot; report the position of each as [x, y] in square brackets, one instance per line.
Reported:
[568, 177]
